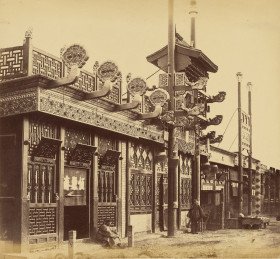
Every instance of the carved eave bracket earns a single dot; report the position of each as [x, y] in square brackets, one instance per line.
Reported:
[158, 99]
[47, 148]
[151, 115]
[82, 153]
[210, 135]
[106, 89]
[214, 121]
[129, 106]
[220, 97]
[111, 157]
[68, 80]
[218, 139]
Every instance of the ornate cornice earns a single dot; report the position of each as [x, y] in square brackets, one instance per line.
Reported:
[94, 117]
[17, 103]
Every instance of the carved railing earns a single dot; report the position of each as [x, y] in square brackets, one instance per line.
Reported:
[12, 63]
[26, 60]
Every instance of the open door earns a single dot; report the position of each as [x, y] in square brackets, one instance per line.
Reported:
[76, 201]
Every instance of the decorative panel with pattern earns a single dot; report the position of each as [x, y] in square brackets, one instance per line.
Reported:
[86, 82]
[107, 213]
[11, 63]
[115, 95]
[186, 164]
[104, 144]
[140, 191]
[41, 183]
[185, 193]
[72, 138]
[106, 186]
[140, 156]
[42, 220]
[45, 65]
[37, 130]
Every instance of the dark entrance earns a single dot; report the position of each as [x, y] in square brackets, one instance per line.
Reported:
[76, 202]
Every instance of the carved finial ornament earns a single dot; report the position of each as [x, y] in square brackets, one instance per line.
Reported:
[28, 33]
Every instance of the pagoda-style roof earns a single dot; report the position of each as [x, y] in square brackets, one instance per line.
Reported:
[188, 59]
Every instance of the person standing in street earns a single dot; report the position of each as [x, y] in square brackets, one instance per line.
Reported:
[195, 214]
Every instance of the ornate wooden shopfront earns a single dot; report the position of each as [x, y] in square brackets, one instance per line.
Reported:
[82, 153]
[76, 153]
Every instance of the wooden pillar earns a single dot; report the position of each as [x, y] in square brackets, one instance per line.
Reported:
[154, 201]
[24, 247]
[127, 188]
[94, 193]
[118, 190]
[61, 186]
[179, 194]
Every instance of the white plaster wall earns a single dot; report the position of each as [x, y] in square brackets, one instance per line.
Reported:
[141, 222]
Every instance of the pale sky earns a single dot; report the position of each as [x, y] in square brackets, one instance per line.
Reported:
[237, 35]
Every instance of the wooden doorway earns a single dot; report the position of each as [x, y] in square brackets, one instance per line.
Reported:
[76, 202]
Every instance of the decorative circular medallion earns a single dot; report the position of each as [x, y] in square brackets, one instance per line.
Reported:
[137, 86]
[108, 70]
[159, 97]
[74, 55]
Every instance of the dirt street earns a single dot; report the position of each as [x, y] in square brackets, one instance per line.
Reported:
[234, 243]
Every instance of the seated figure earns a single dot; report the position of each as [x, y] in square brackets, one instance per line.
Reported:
[108, 235]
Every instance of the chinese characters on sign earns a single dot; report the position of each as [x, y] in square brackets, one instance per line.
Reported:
[75, 182]
[245, 131]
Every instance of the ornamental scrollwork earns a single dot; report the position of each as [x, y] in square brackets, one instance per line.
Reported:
[74, 55]
[137, 86]
[108, 71]
[159, 97]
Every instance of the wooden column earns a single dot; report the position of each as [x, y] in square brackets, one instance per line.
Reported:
[154, 201]
[179, 193]
[94, 193]
[24, 247]
[127, 188]
[118, 190]
[60, 207]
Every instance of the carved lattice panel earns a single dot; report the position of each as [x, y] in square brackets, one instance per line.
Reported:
[104, 144]
[140, 191]
[86, 82]
[72, 138]
[115, 95]
[37, 130]
[41, 183]
[106, 186]
[42, 220]
[107, 213]
[140, 156]
[11, 63]
[46, 65]
[185, 194]
[186, 165]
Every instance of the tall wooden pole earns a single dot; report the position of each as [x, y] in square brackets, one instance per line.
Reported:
[249, 84]
[240, 168]
[172, 149]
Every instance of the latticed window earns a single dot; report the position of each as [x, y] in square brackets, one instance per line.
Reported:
[140, 156]
[41, 183]
[140, 191]
[185, 175]
[37, 130]
[106, 186]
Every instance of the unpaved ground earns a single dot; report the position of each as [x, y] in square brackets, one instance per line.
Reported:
[235, 243]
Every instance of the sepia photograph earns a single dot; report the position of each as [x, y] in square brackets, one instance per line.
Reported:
[139, 129]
